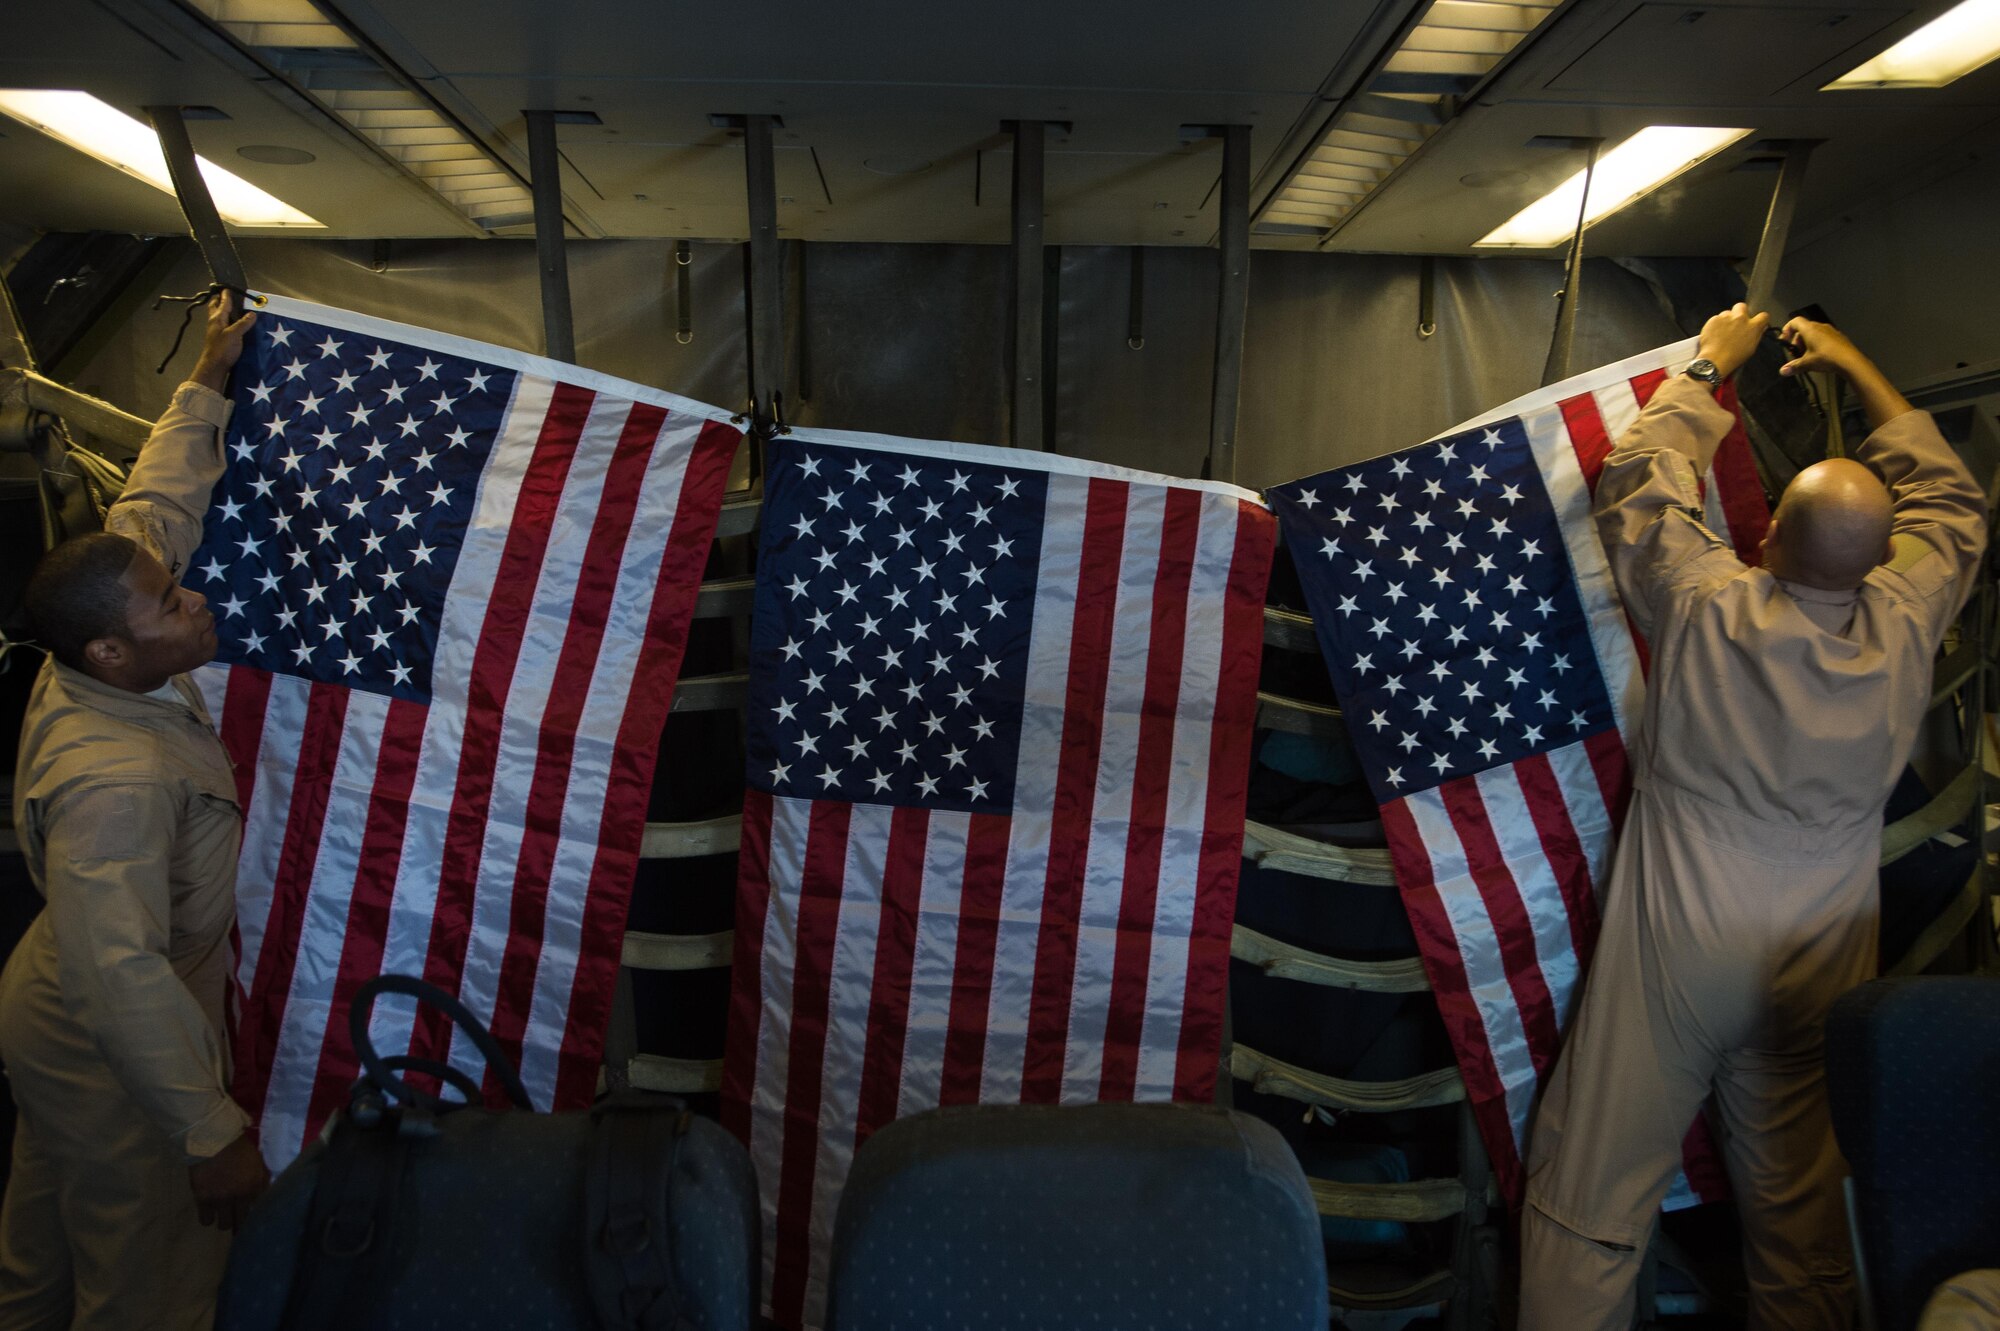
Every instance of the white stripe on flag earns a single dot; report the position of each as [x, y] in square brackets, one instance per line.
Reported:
[309, 1004]
[1520, 844]
[597, 733]
[850, 992]
[1485, 974]
[933, 962]
[264, 835]
[1588, 814]
[518, 759]
[1036, 770]
[1187, 799]
[1105, 860]
[791, 821]
[1562, 478]
[413, 907]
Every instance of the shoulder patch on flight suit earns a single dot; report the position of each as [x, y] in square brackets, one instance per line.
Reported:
[115, 825]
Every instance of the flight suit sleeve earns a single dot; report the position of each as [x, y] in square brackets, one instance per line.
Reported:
[106, 876]
[1648, 503]
[1939, 529]
[166, 495]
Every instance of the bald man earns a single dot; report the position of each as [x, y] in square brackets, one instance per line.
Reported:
[1781, 706]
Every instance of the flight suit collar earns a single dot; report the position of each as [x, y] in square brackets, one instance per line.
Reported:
[1799, 591]
[125, 704]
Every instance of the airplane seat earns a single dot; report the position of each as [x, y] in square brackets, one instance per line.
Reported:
[1913, 1074]
[1115, 1217]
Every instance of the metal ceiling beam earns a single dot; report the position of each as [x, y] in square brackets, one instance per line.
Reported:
[1232, 305]
[551, 253]
[1026, 406]
[767, 292]
[1778, 225]
[204, 222]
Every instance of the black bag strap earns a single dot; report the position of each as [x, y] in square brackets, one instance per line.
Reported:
[350, 1229]
[382, 1075]
[628, 1247]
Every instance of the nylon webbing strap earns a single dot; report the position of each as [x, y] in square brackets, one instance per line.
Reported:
[350, 1228]
[628, 1246]
[1271, 1076]
[1946, 809]
[1280, 960]
[1288, 852]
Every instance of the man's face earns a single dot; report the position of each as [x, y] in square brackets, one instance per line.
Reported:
[171, 629]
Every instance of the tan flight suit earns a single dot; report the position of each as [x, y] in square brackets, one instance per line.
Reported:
[111, 1008]
[1967, 1302]
[1743, 898]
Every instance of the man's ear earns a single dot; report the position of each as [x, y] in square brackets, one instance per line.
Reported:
[106, 653]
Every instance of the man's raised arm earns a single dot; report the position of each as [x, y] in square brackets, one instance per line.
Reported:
[1648, 502]
[167, 493]
[1939, 527]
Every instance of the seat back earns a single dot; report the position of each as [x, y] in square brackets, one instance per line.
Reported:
[1913, 1076]
[1115, 1217]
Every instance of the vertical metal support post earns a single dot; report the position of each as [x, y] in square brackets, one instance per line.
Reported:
[765, 276]
[545, 179]
[1778, 224]
[1556, 367]
[225, 268]
[1232, 304]
[1025, 415]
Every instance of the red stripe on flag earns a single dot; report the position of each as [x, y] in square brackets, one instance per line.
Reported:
[746, 987]
[1513, 929]
[1608, 759]
[1438, 946]
[1076, 790]
[1739, 487]
[1701, 1161]
[622, 829]
[1647, 384]
[264, 1016]
[895, 955]
[1152, 772]
[1557, 832]
[1585, 428]
[493, 661]
[555, 746]
[1221, 862]
[972, 970]
[812, 994]
[399, 746]
[244, 699]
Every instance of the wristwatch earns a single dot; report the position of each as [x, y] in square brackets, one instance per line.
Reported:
[1703, 369]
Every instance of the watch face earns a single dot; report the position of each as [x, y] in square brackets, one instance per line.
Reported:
[1704, 370]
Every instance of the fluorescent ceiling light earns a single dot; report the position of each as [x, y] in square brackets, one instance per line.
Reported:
[1949, 47]
[109, 135]
[1642, 163]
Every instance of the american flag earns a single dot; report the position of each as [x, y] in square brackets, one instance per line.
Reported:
[1489, 680]
[452, 584]
[1000, 714]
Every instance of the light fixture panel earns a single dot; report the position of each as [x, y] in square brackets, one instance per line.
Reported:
[1633, 169]
[1944, 50]
[90, 126]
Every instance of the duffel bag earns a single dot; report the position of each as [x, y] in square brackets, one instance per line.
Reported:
[417, 1212]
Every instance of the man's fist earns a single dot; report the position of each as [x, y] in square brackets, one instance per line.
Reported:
[1731, 336]
[222, 341]
[227, 1182]
[1818, 346]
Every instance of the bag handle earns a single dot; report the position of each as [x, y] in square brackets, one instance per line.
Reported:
[381, 1072]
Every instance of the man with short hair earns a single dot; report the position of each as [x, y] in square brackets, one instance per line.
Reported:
[130, 1158]
[1781, 707]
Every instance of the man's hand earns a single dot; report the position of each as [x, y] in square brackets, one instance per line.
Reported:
[1824, 347]
[1819, 347]
[222, 343]
[1731, 337]
[227, 1182]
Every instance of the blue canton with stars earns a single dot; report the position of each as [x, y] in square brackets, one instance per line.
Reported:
[352, 467]
[889, 650]
[1442, 595]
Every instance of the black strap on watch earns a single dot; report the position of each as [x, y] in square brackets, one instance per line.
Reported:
[1703, 369]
